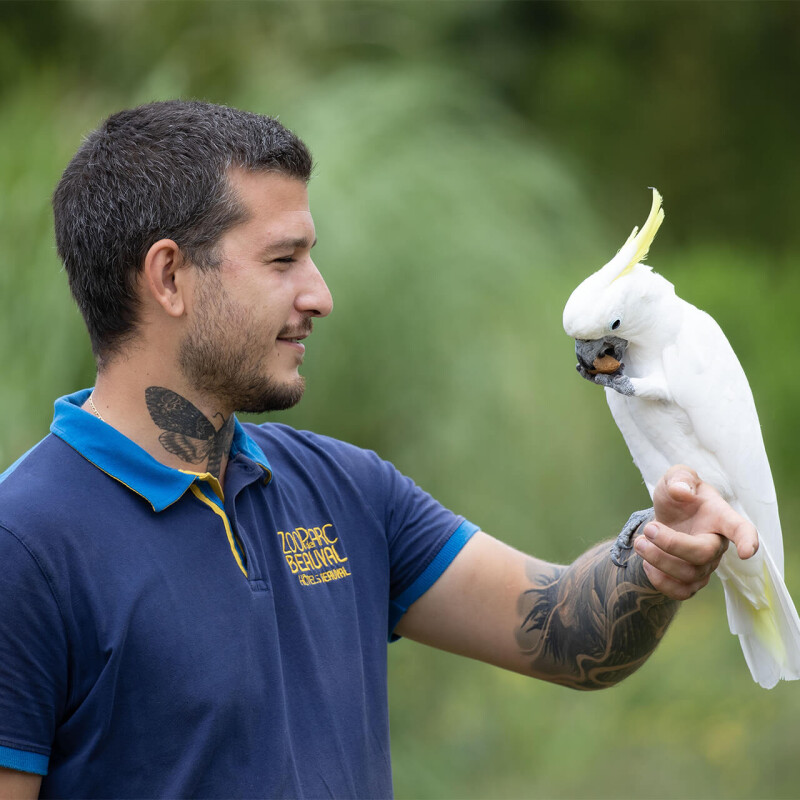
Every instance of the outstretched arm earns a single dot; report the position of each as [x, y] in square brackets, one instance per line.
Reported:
[590, 624]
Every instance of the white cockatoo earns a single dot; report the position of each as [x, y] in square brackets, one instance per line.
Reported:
[679, 396]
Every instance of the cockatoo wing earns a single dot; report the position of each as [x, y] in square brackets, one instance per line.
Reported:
[707, 381]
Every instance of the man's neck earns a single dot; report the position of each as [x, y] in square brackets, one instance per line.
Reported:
[174, 425]
[186, 432]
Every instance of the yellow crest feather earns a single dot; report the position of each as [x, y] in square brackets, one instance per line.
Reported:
[644, 238]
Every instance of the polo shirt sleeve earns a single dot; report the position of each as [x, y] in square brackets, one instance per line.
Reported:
[33, 659]
[423, 538]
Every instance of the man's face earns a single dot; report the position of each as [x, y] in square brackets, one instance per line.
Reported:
[249, 313]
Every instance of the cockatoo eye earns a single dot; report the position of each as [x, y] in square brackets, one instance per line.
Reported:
[615, 324]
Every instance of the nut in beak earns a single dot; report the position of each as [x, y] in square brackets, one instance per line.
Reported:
[605, 365]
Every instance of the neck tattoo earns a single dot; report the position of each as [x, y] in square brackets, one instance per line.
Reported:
[187, 432]
[94, 408]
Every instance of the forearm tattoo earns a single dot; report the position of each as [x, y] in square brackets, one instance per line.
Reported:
[589, 625]
[188, 433]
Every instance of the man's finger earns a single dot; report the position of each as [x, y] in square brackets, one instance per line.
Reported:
[740, 531]
[668, 586]
[698, 549]
[682, 482]
[676, 568]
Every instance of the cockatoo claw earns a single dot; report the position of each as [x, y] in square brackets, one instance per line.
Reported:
[617, 381]
[625, 538]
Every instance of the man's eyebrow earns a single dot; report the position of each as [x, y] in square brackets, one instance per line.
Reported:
[291, 243]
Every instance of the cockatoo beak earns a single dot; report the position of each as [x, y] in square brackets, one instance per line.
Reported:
[590, 351]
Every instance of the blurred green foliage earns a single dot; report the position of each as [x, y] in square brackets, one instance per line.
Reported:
[475, 160]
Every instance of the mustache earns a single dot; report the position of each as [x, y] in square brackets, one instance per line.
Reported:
[297, 332]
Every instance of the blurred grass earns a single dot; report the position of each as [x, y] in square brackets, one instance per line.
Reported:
[452, 228]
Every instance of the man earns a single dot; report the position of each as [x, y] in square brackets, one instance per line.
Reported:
[197, 608]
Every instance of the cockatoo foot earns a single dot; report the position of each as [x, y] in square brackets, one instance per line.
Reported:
[617, 381]
[625, 538]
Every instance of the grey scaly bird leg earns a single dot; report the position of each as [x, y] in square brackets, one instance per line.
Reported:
[623, 541]
[617, 381]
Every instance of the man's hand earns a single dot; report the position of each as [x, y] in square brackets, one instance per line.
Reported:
[691, 531]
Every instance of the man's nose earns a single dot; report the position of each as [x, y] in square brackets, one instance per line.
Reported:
[316, 297]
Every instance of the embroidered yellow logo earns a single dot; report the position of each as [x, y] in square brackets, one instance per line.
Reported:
[312, 555]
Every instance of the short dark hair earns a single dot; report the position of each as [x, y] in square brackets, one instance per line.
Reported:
[149, 173]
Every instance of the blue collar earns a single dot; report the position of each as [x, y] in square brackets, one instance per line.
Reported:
[124, 460]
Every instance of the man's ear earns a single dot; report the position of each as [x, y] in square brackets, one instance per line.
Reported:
[163, 274]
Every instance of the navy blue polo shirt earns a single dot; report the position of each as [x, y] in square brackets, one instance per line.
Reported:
[162, 638]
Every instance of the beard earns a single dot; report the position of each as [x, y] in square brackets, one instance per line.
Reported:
[222, 357]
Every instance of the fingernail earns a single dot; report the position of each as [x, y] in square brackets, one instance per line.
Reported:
[683, 485]
[651, 531]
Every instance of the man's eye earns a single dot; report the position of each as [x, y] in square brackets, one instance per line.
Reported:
[285, 260]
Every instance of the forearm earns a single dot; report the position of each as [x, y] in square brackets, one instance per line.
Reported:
[591, 624]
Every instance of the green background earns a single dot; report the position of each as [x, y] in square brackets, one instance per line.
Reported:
[475, 161]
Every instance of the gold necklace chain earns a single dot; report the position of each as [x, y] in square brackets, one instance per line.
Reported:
[94, 408]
